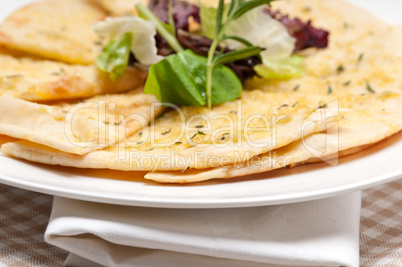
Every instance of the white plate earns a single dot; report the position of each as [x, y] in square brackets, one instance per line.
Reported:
[379, 164]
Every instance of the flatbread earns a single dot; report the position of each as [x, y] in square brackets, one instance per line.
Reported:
[44, 80]
[362, 50]
[121, 7]
[362, 72]
[372, 119]
[55, 29]
[206, 141]
[78, 128]
[6, 139]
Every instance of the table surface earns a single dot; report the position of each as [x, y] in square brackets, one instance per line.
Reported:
[24, 216]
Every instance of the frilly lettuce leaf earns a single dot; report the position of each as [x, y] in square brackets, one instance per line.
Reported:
[208, 19]
[280, 67]
[263, 31]
[115, 56]
[143, 44]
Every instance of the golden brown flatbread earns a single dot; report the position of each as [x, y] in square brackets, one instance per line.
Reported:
[55, 29]
[121, 7]
[179, 141]
[44, 80]
[78, 128]
[357, 78]
[372, 119]
[6, 139]
[362, 50]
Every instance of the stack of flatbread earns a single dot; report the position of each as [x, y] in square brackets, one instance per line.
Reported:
[63, 111]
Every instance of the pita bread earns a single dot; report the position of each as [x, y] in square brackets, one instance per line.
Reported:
[77, 128]
[372, 119]
[43, 80]
[55, 29]
[175, 144]
[354, 35]
[355, 55]
[6, 139]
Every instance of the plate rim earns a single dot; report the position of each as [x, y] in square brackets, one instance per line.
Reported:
[202, 203]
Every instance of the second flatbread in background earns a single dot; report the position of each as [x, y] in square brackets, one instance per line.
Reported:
[121, 7]
[55, 29]
[43, 80]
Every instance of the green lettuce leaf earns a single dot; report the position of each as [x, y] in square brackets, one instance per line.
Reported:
[281, 68]
[263, 31]
[255, 26]
[260, 30]
[143, 44]
[115, 56]
[180, 79]
[208, 19]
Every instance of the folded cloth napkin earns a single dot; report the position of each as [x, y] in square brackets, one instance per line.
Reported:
[316, 233]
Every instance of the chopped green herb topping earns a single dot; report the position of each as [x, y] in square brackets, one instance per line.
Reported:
[14, 76]
[346, 83]
[168, 131]
[360, 58]
[197, 133]
[323, 106]
[329, 89]
[369, 88]
[283, 106]
[340, 69]
[224, 136]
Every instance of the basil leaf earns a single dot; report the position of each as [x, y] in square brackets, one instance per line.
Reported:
[180, 79]
[170, 82]
[114, 58]
[226, 86]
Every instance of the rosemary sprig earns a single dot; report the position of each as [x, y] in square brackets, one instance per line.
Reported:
[237, 8]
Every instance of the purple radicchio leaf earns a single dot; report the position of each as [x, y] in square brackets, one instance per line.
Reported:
[243, 68]
[306, 35]
[181, 12]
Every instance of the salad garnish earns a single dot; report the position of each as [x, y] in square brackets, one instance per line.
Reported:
[206, 66]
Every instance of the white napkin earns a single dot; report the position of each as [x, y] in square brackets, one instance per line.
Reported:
[316, 233]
